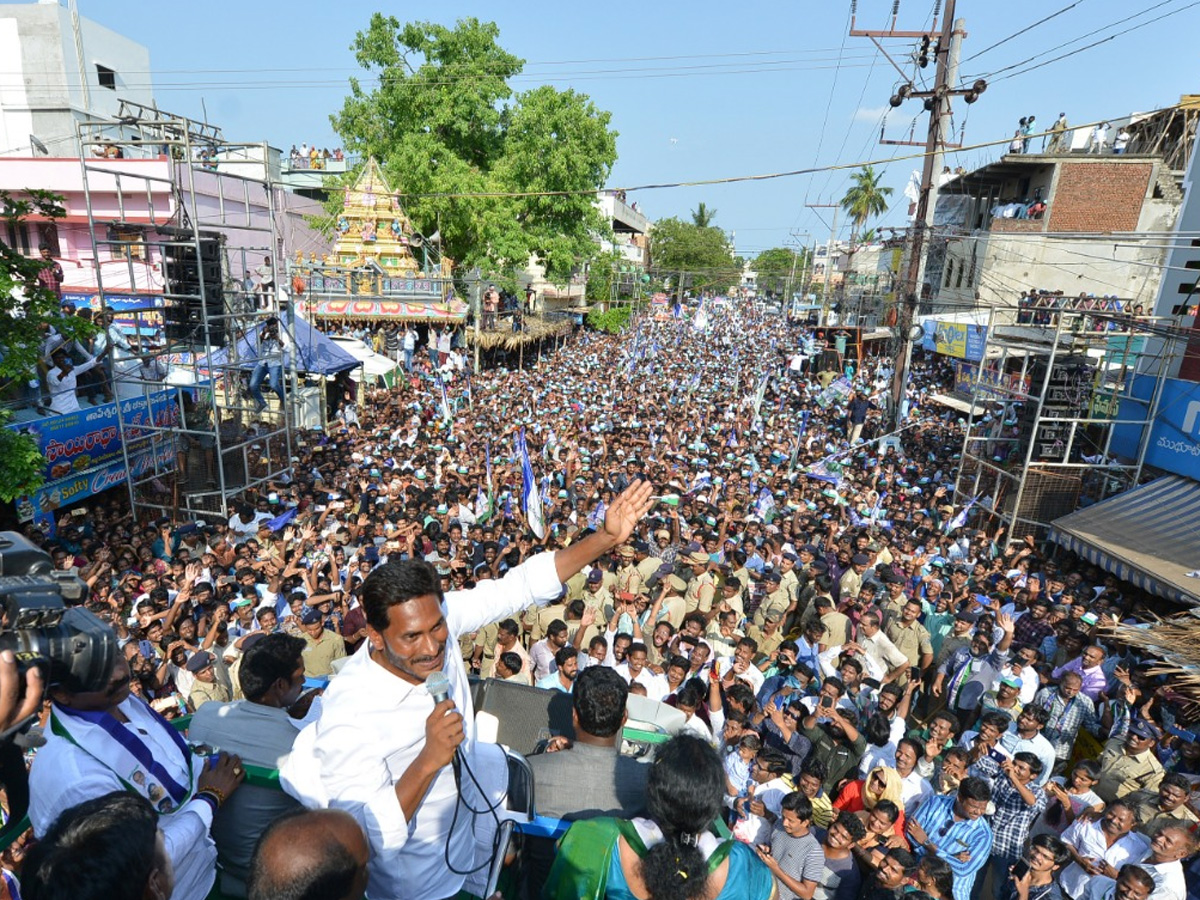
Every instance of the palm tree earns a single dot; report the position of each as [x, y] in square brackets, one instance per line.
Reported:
[702, 216]
[865, 198]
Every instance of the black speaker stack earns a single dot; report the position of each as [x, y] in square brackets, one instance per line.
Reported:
[194, 290]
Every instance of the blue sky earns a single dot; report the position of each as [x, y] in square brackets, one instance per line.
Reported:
[697, 90]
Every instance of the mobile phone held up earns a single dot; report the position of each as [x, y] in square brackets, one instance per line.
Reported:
[1020, 869]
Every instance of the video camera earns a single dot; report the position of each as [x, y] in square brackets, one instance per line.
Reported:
[42, 620]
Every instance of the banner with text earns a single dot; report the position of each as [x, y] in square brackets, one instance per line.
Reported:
[962, 340]
[1175, 432]
[1002, 385]
[79, 441]
[42, 505]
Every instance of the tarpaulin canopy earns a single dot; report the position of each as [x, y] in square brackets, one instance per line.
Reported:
[315, 353]
[1146, 536]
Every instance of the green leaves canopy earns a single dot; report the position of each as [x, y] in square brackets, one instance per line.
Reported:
[703, 255]
[866, 196]
[702, 216]
[773, 267]
[25, 309]
[444, 120]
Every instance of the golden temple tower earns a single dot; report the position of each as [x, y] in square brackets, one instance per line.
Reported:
[372, 228]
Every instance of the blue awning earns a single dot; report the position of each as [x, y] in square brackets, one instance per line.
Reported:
[1149, 536]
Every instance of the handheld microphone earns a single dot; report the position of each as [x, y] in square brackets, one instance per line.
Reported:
[438, 686]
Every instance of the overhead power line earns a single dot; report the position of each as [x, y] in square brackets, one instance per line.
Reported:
[618, 73]
[737, 179]
[991, 76]
[1024, 30]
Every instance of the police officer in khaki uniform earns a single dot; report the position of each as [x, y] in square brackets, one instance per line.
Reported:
[789, 580]
[702, 590]
[674, 599]
[485, 647]
[576, 585]
[629, 579]
[596, 595]
[1127, 764]
[851, 579]
[205, 687]
[647, 563]
[775, 601]
[769, 636]
[911, 638]
[892, 605]
[540, 619]
[322, 646]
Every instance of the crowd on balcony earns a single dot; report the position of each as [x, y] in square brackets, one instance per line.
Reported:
[1042, 307]
[881, 693]
[305, 157]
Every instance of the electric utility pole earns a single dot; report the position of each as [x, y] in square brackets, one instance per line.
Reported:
[828, 256]
[938, 102]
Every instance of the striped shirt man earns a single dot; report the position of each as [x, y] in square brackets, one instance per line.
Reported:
[963, 842]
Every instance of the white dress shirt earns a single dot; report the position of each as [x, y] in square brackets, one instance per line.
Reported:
[655, 685]
[63, 384]
[372, 728]
[914, 791]
[63, 776]
[542, 657]
[1088, 839]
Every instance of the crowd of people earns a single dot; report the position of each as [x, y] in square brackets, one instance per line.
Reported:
[305, 157]
[1058, 137]
[876, 692]
[1041, 307]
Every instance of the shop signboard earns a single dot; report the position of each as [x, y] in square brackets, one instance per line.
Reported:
[1174, 444]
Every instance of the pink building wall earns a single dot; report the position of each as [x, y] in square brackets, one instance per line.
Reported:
[140, 191]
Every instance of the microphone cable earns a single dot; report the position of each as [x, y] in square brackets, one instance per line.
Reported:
[438, 686]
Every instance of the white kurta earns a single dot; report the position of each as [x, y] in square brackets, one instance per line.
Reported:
[63, 776]
[372, 728]
[62, 387]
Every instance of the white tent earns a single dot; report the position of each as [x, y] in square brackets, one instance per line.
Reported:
[374, 365]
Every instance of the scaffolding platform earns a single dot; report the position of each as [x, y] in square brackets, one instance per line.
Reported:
[203, 441]
[1044, 404]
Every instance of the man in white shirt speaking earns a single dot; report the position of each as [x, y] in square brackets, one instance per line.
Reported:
[382, 749]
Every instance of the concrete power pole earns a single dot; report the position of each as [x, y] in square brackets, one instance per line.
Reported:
[828, 256]
[938, 102]
[949, 48]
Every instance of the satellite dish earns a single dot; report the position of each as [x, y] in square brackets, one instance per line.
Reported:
[38, 145]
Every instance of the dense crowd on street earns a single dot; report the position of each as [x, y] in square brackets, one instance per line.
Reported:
[879, 693]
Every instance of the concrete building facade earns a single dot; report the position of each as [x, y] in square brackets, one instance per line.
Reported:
[59, 69]
[1074, 223]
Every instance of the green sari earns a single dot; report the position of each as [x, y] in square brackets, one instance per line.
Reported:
[585, 857]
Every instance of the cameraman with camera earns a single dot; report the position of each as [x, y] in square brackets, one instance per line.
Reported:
[101, 738]
[107, 740]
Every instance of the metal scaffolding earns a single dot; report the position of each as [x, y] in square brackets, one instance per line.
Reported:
[191, 435]
[1047, 399]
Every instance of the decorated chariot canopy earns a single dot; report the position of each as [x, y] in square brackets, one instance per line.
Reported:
[380, 266]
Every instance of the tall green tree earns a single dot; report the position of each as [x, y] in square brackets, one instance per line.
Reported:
[773, 268]
[27, 309]
[866, 198]
[702, 216]
[703, 256]
[444, 120]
